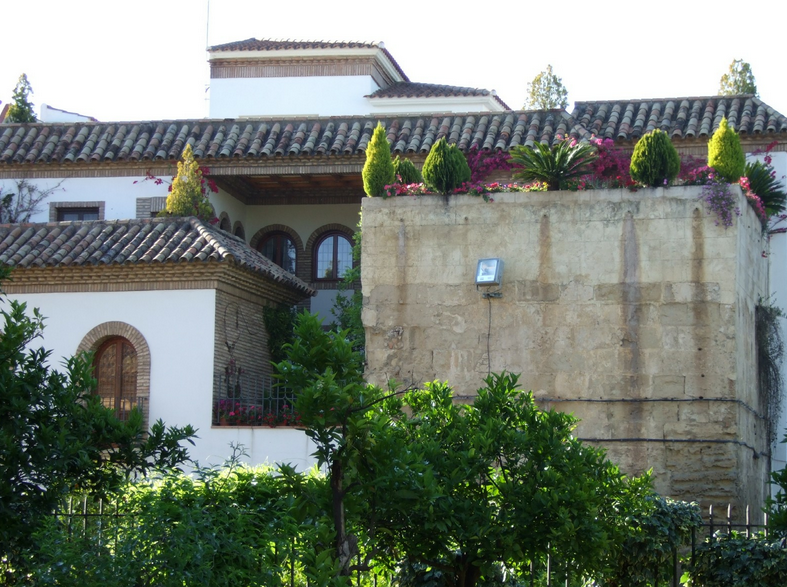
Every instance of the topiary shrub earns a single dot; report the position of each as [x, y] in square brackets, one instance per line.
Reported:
[406, 172]
[188, 193]
[445, 168]
[655, 160]
[378, 171]
[725, 153]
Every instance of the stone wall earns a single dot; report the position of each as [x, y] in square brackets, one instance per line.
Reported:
[634, 311]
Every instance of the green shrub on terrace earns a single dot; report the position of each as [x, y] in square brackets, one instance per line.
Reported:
[445, 168]
[406, 172]
[378, 171]
[655, 161]
[725, 153]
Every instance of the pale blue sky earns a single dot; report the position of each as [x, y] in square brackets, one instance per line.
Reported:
[146, 59]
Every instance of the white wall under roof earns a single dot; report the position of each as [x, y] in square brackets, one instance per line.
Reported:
[178, 326]
[290, 96]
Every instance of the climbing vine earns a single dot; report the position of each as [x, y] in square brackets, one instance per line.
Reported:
[770, 353]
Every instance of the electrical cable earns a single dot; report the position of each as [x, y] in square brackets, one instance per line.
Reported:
[488, 336]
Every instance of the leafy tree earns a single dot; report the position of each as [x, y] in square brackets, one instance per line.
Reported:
[546, 92]
[655, 161]
[461, 489]
[725, 153]
[22, 109]
[445, 168]
[504, 483]
[554, 166]
[55, 436]
[188, 192]
[378, 171]
[738, 80]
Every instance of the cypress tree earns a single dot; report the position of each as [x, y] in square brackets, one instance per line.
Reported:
[406, 171]
[725, 153]
[445, 168]
[378, 171]
[22, 109]
[187, 196]
[655, 160]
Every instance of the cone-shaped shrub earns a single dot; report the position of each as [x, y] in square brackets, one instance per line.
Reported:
[187, 196]
[406, 171]
[445, 168]
[378, 171]
[655, 160]
[725, 154]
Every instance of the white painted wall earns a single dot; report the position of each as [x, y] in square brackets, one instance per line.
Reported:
[290, 96]
[436, 104]
[179, 329]
[51, 114]
[778, 284]
[119, 193]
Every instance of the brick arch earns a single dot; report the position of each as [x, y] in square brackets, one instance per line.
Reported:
[225, 223]
[315, 236]
[238, 230]
[101, 333]
[302, 256]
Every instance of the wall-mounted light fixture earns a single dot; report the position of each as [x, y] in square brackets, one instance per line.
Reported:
[489, 272]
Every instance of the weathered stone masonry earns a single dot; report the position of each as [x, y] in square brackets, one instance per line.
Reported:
[635, 311]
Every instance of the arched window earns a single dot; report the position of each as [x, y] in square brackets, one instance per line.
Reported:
[280, 248]
[333, 255]
[116, 372]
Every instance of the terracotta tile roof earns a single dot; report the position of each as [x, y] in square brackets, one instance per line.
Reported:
[247, 140]
[150, 240]
[680, 117]
[287, 44]
[419, 90]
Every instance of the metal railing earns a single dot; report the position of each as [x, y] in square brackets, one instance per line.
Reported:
[123, 406]
[99, 521]
[248, 399]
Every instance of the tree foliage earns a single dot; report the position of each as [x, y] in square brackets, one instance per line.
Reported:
[553, 165]
[459, 488]
[55, 435]
[738, 80]
[655, 161]
[22, 109]
[378, 170]
[725, 153]
[546, 92]
[188, 193]
[445, 168]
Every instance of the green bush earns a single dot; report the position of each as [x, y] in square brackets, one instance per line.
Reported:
[725, 153]
[763, 182]
[737, 561]
[378, 171]
[655, 160]
[553, 166]
[406, 171]
[445, 168]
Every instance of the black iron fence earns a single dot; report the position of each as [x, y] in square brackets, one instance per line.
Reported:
[248, 399]
[99, 523]
[122, 406]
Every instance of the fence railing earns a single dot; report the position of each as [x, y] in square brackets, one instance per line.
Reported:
[249, 399]
[123, 406]
[98, 522]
